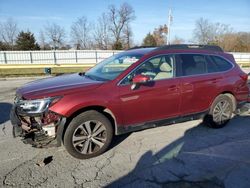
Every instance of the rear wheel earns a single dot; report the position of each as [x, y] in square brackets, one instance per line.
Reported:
[88, 135]
[220, 112]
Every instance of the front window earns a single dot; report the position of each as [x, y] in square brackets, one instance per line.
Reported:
[112, 67]
[157, 68]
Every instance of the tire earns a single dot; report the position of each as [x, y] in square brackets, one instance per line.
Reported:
[221, 111]
[88, 135]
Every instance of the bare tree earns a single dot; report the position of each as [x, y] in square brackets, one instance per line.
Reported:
[219, 30]
[55, 35]
[80, 33]
[119, 18]
[235, 42]
[221, 34]
[202, 31]
[42, 40]
[206, 32]
[8, 32]
[101, 33]
[243, 41]
[127, 36]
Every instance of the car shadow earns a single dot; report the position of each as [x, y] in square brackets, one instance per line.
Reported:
[203, 157]
[118, 139]
[5, 109]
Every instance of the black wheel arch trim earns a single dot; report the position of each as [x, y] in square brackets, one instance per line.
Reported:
[60, 131]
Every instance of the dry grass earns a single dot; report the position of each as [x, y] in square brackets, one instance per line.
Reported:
[14, 72]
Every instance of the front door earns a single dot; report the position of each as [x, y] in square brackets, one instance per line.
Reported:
[155, 100]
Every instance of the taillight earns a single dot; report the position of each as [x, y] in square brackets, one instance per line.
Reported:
[244, 77]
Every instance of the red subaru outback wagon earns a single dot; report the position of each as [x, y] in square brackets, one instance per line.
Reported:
[133, 90]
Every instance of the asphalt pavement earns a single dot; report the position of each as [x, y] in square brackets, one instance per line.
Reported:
[181, 155]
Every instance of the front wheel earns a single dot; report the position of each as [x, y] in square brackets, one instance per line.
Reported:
[220, 112]
[88, 135]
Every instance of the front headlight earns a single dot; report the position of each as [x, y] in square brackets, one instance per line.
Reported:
[36, 106]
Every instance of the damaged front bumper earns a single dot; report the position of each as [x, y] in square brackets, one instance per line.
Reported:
[39, 130]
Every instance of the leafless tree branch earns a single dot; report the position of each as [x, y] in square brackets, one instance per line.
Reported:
[8, 32]
[80, 33]
[119, 18]
[55, 35]
[101, 33]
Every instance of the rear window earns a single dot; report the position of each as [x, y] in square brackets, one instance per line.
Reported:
[196, 64]
[191, 64]
[221, 63]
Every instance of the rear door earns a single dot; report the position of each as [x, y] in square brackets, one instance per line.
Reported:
[200, 82]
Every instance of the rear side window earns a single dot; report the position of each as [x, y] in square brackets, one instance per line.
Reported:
[191, 64]
[211, 66]
[221, 63]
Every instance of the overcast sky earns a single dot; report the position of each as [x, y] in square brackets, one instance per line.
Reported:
[34, 14]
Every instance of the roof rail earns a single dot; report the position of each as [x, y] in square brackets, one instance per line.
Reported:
[191, 46]
[138, 47]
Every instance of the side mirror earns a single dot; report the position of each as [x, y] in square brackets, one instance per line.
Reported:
[139, 79]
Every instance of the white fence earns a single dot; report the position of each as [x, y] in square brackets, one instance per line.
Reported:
[54, 57]
[74, 57]
[241, 58]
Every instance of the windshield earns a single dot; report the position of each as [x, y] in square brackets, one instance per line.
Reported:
[112, 67]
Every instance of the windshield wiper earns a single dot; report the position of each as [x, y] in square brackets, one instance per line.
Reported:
[90, 76]
[81, 73]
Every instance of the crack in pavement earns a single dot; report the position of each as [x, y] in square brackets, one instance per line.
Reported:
[216, 156]
[125, 162]
[3, 129]
[72, 175]
[4, 182]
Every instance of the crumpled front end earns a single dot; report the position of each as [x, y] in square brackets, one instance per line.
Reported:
[40, 129]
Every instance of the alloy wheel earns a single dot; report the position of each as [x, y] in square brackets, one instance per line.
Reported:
[89, 137]
[222, 112]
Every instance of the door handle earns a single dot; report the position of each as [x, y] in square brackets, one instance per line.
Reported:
[173, 88]
[215, 80]
[187, 87]
[187, 84]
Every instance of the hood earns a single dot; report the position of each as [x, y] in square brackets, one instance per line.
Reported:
[57, 86]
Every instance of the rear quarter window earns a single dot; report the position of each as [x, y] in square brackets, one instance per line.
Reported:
[221, 64]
